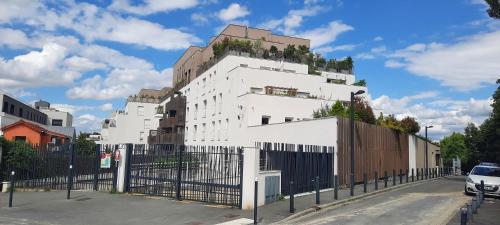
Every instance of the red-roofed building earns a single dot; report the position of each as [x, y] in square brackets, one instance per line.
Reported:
[32, 133]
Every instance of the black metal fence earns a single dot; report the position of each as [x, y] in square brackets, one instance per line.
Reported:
[47, 167]
[210, 174]
[302, 164]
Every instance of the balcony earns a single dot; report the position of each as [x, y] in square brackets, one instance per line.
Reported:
[166, 138]
[179, 120]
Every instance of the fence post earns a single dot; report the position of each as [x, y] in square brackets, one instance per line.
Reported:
[463, 216]
[240, 160]
[292, 207]
[336, 187]
[97, 166]
[128, 164]
[364, 182]
[393, 177]
[255, 195]
[385, 179]
[12, 186]
[179, 173]
[376, 180]
[70, 171]
[317, 190]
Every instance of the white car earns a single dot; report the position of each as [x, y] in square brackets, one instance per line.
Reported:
[489, 173]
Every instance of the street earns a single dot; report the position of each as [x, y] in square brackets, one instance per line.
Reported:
[430, 203]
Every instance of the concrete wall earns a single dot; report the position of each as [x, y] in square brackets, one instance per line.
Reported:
[419, 147]
[67, 118]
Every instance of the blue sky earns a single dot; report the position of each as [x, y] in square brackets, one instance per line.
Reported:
[433, 60]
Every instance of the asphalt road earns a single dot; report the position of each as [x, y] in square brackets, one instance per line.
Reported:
[431, 203]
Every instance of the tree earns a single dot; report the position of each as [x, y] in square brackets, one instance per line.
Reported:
[289, 52]
[494, 10]
[84, 146]
[273, 50]
[409, 125]
[361, 83]
[490, 131]
[453, 146]
[473, 142]
[364, 111]
[338, 109]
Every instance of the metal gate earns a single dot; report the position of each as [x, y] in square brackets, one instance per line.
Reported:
[47, 167]
[301, 164]
[199, 173]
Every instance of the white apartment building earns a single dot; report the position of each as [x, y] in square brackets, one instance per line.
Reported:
[239, 93]
[132, 124]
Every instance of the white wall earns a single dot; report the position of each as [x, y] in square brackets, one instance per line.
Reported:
[129, 124]
[412, 151]
[243, 104]
[67, 118]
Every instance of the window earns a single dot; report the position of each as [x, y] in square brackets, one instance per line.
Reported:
[5, 107]
[187, 113]
[265, 120]
[219, 130]
[212, 135]
[204, 81]
[203, 131]
[288, 119]
[220, 103]
[147, 123]
[215, 105]
[57, 123]
[195, 111]
[195, 131]
[20, 112]
[140, 110]
[11, 109]
[204, 108]
[141, 136]
[20, 138]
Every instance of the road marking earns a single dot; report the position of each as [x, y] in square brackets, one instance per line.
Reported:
[241, 221]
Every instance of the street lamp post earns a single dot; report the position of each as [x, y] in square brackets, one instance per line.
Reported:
[352, 138]
[426, 163]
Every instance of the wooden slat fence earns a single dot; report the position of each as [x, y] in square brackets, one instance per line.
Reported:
[376, 149]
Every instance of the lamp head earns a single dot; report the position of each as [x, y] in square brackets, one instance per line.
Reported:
[430, 126]
[359, 92]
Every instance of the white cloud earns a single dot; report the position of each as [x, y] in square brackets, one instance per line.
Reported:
[151, 6]
[327, 34]
[445, 115]
[82, 64]
[37, 68]
[234, 11]
[120, 83]
[73, 109]
[466, 65]
[364, 55]
[106, 107]
[378, 38]
[13, 38]
[328, 49]
[293, 20]
[394, 64]
[95, 23]
[199, 18]
[87, 123]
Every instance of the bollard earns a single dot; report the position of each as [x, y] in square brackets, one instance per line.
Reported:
[412, 177]
[11, 191]
[70, 171]
[385, 179]
[292, 207]
[364, 182]
[418, 175]
[393, 177]
[421, 173]
[400, 176]
[336, 187]
[376, 180]
[469, 211]
[474, 204]
[352, 184]
[463, 216]
[317, 190]
[255, 194]
[406, 175]
[482, 191]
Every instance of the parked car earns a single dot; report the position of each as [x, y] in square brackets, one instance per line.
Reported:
[489, 173]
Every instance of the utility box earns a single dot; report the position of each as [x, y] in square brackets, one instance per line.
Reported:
[269, 186]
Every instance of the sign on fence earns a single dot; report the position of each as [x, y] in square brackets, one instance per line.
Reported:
[105, 160]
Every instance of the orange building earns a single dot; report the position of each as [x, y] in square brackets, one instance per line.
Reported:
[32, 133]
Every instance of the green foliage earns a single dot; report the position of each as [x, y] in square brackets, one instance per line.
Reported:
[361, 83]
[409, 125]
[494, 10]
[362, 111]
[453, 146]
[19, 154]
[232, 44]
[84, 146]
[273, 49]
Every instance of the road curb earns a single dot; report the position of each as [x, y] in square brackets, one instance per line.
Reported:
[343, 202]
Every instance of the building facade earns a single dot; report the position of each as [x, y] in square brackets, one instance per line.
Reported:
[172, 123]
[189, 65]
[54, 117]
[134, 122]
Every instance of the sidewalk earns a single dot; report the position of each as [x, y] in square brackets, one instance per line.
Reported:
[104, 208]
[488, 214]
